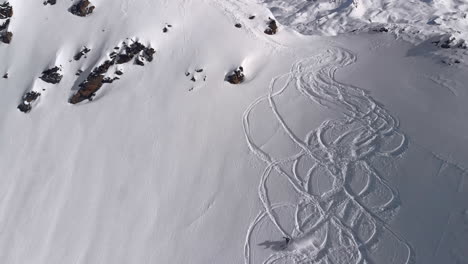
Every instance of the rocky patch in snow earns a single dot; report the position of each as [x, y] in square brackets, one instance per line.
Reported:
[50, 2]
[28, 100]
[97, 77]
[166, 28]
[237, 76]
[82, 8]
[196, 77]
[272, 27]
[52, 75]
[450, 42]
[81, 53]
[6, 12]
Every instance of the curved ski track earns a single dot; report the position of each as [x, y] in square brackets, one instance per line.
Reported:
[336, 226]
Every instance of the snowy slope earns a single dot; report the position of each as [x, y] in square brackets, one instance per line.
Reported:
[352, 147]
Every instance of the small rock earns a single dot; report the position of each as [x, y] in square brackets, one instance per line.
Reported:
[6, 37]
[272, 28]
[28, 99]
[238, 25]
[165, 30]
[251, 17]
[199, 70]
[119, 72]
[82, 8]
[237, 76]
[81, 53]
[4, 26]
[139, 62]
[5, 76]
[50, 2]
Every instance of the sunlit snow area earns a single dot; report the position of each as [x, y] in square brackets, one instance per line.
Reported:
[234, 131]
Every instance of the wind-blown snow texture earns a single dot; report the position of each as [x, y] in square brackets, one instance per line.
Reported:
[414, 19]
[344, 149]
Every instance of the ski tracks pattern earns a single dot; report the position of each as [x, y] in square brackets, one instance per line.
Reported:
[337, 225]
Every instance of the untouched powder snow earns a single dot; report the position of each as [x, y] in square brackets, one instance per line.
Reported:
[345, 149]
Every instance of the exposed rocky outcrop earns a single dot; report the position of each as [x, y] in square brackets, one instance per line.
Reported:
[237, 76]
[82, 8]
[93, 83]
[450, 42]
[81, 53]
[28, 99]
[6, 12]
[52, 75]
[272, 27]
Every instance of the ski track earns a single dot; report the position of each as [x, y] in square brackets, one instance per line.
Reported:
[340, 218]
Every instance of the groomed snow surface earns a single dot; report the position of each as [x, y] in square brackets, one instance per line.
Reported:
[335, 149]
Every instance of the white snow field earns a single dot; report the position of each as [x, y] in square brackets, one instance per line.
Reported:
[334, 150]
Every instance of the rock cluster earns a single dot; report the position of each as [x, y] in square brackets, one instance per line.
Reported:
[6, 12]
[450, 42]
[52, 75]
[28, 99]
[272, 27]
[82, 8]
[97, 78]
[237, 76]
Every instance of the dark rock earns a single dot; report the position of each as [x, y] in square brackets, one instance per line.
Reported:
[124, 58]
[82, 8]
[6, 37]
[165, 29]
[50, 2]
[272, 28]
[119, 72]
[87, 89]
[238, 25]
[237, 76]
[148, 54]
[382, 29]
[199, 70]
[81, 53]
[52, 75]
[6, 10]
[4, 26]
[28, 99]
[251, 17]
[139, 62]
[5, 76]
